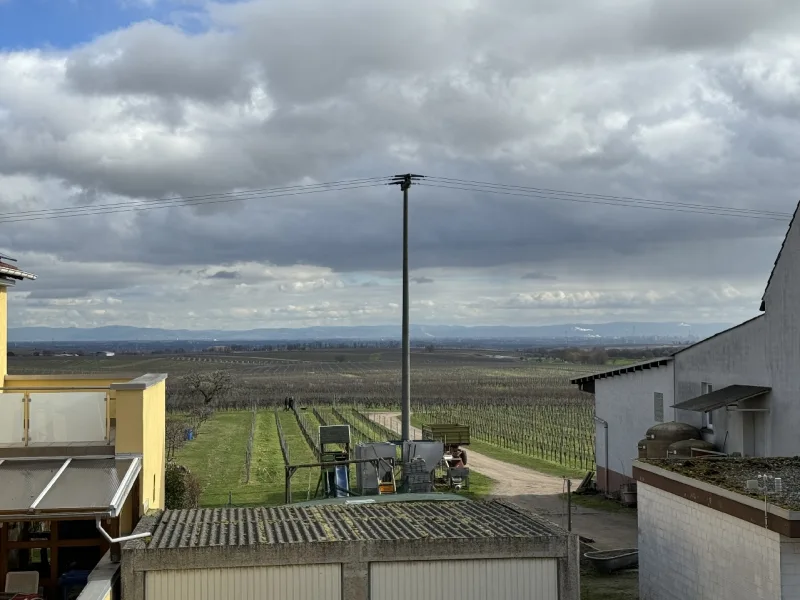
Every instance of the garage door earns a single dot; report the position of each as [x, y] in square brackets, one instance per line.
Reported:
[500, 579]
[306, 582]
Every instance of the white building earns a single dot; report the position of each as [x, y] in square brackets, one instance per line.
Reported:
[742, 386]
[703, 536]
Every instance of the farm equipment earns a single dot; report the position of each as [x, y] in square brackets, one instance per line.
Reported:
[454, 459]
[376, 478]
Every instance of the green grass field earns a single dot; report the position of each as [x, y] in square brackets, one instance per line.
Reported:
[217, 457]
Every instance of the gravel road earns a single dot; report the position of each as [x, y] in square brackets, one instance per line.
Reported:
[541, 493]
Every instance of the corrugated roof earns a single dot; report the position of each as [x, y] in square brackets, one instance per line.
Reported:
[721, 397]
[777, 258]
[340, 523]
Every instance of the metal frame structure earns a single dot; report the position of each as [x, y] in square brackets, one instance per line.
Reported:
[115, 504]
[290, 470]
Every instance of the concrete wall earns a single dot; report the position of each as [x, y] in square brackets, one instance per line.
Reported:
[687, 550]
[782, 317]
[355, 558]
[737, 356]
[626, 402]
[790, 568]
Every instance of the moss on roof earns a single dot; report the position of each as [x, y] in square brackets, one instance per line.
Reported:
[732, 474]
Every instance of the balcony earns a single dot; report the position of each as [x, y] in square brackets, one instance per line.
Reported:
[82, 458]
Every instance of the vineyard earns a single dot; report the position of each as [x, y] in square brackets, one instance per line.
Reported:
[516, 408]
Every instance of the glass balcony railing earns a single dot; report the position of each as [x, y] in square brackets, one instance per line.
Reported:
[52, 415]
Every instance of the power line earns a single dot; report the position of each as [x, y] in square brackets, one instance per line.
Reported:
[450, 180]
[140, 205]
[366, 182]
[621, 202]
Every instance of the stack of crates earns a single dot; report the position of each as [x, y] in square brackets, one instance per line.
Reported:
[419, 477]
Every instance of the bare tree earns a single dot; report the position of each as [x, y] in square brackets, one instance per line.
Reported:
[199, 414]
[207, 386]
[175, 432]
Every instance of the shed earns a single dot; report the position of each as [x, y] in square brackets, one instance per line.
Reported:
[355, 550]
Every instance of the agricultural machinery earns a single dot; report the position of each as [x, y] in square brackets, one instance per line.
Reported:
[454, 459]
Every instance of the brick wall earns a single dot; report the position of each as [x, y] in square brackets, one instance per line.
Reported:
[687, 550]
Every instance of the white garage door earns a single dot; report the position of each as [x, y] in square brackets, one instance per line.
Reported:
[500, 579]
[306, 582]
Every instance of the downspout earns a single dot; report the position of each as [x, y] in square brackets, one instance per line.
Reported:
[605, 426]
[119, 540]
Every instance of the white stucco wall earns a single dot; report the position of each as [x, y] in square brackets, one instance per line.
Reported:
[626, 403]
[687, 550]
[737, 356]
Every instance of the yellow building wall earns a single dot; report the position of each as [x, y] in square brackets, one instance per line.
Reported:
[141, 419]
[3, 330]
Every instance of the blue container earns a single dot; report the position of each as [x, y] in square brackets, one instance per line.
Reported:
[189, 434]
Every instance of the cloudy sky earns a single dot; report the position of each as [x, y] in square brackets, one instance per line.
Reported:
[121, 101]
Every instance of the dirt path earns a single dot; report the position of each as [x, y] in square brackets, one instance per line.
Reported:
[511, 480]
[541, 493]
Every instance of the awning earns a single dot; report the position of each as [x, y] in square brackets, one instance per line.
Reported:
[77, 487]
[721, 397]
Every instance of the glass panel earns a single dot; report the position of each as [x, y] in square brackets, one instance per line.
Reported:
[22, 481]
[12, 415]
[86, 483]
[68, 417]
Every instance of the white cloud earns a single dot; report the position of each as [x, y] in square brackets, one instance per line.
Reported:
[676, 102]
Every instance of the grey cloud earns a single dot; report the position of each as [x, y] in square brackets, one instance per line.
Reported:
[51, 293]
[224, 275]
[154, 59]
[538, 275]
[510, 92]
[421, 280]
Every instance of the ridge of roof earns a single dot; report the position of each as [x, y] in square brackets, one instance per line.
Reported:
[763, 306]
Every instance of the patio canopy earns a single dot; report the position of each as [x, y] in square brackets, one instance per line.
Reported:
[721, 397]
[66, 488]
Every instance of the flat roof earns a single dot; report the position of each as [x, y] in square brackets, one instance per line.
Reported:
[732, 473]
[722, 397]
[71, 487]
[392, 521]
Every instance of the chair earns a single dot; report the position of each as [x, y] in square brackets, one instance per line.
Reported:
[23, 582]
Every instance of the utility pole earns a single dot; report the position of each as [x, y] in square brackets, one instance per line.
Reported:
[405, 181]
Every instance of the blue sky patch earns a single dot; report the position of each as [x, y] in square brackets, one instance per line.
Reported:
[62, 24]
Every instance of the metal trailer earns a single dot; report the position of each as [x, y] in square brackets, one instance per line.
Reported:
[454, 459]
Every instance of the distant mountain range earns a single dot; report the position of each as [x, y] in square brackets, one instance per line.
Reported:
[606, 331]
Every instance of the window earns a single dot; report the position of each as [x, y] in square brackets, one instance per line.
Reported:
[658, 406]
[708, 417]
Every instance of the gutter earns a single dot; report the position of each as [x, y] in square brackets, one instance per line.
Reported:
[605, 426]
[119, 540]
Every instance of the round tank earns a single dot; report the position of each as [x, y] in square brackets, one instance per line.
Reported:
[657, 448]
[683, 449]
[642, 446]
[673, 431]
